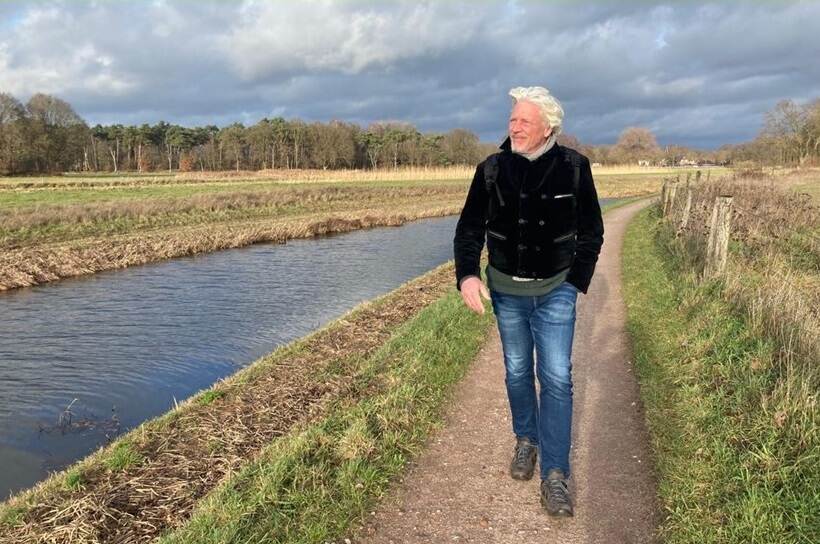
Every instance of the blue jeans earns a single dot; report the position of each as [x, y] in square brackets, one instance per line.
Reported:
[547, 325]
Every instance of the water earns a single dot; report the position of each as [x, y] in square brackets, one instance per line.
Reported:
[123, 346]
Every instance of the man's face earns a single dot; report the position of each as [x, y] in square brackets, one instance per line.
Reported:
[528, 131]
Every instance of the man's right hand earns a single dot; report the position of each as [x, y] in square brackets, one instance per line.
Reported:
[471, 292]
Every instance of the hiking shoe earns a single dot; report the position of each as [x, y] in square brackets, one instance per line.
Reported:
[523, 461]
[555, 495]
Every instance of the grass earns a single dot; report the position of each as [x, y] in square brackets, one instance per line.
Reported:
[734, 431]
[122, 456]
[320, 481]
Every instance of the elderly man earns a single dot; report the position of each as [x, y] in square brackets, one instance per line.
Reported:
[535, 202]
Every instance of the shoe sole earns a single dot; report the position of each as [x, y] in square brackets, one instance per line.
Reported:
[558, 514]
[521, 477]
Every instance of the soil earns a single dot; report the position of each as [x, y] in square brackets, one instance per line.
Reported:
[459, 490]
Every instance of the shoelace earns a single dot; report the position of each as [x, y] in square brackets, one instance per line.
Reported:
[522, 452]
[558, 491]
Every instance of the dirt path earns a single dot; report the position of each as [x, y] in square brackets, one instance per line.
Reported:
[459, 490]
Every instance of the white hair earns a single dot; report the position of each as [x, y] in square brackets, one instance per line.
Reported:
[550, 107]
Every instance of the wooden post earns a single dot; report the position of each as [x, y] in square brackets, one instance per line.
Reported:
[697, 176]
[717, 246]
[708, 175]
[673, 190]
[687, 208]
[664, 191]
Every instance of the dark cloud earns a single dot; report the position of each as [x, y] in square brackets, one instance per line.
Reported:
[696, 74]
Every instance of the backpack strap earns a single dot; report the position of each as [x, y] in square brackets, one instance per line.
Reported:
[491, 176]
[574, 158]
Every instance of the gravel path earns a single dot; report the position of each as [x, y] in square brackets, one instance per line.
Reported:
[458, 490]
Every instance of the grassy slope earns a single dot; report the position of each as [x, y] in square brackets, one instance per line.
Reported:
[320, 480]
[734, 464]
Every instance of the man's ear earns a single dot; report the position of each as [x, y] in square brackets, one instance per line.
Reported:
[547, 132]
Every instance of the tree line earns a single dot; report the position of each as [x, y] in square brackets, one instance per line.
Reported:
[47, 135]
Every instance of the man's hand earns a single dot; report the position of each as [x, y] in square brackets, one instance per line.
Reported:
[471, 292]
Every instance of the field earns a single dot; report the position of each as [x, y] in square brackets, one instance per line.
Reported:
[62, 226]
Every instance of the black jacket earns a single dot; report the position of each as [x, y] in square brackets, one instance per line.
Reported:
[542, 228]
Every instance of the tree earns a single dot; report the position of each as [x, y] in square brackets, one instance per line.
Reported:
[460, 146]
[51, 121]
[233, 139]
[636, 143]
[784, 127]
[12, 134]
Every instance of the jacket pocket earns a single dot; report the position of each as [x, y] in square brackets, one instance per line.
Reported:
[496, 235]
[564, 237]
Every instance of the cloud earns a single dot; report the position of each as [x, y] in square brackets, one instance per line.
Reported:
[697, 74]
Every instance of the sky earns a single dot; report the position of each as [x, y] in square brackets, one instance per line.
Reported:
[696, 74]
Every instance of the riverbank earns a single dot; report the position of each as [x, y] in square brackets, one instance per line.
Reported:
[337, 412]
[730, 399]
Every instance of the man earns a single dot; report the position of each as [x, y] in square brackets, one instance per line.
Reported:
[535, 202]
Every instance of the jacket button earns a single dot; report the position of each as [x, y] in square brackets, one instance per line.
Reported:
[522, 221]
[543, 196]
[541, 222]
[521, 247]
[523, 195]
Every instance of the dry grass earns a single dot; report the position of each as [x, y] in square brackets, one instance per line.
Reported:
[416, 173]
[283, 176]
[772, 276]
[774, 265]
[182, 456]
[35, 265]
[17, 225]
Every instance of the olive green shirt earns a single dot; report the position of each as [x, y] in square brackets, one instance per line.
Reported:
[509, 285]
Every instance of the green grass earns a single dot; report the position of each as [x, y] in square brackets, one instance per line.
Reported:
[122, 456]
[319, 481]
[737, 459]
[74, 479]
[209, 396]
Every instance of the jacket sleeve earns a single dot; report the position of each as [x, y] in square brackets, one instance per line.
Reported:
[590, 231]
[471, 229]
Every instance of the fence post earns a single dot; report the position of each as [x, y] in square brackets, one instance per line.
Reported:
[717, 245]
[673, 192]
[664, 191]
[684, 220]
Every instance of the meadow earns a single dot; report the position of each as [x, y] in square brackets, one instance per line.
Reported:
[62, 226]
